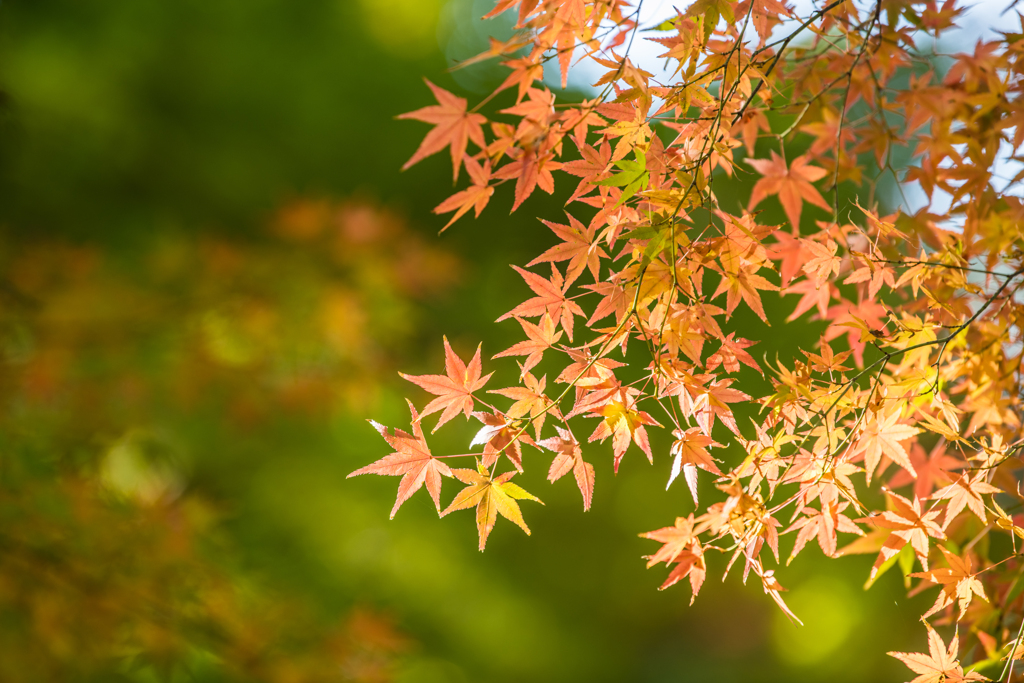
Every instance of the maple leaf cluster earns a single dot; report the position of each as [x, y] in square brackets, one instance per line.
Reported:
[914, 389]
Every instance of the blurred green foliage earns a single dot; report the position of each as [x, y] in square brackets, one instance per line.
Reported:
[212, 268]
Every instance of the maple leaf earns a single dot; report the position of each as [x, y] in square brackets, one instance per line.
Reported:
[827, 360]
[822, 524]
[765, 13]
[930, 469]
[940, 665]
[965, 492]
[675, 538]
[813, 296]
[792, 253]
[411, 460]
[455, 391]
[578, 248]
[591, 168]
[529, 400]
[823, 262]
[491, 498]
[875, 274]
[680, 547]
[881, 435]
[474, 197]
[688, 564]
[541, 338]
[731, 354]
[792, 185]
[550, 299]
[500, 435]
[614, 301]
[850, 319]
[588, 372]
[909, 525]
[525, 70]
[532, 169]
[569, 456]
[690, 451]
[453, 126]
[744, 283]
[707, 402]
[958, 583]
[624, 423]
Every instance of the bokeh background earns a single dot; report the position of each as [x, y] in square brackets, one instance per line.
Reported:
[212, 269]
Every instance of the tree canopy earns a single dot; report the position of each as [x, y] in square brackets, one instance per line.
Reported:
[766, 167]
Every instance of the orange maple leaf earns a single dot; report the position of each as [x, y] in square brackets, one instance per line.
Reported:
[531, 168]
[550, 299]
[453, 126]
[823, 262]
[411, 460]
[909, 525]
[529, 400]
[578, 248]
[791, 252]
[680, 547]
[500, 435]
[541, 338]
[792, 185]
[930, 469]
[707, 402]
[743, 283]
[813, 296]
[455, 391]
[731, 354]
[569, 456]
[965, 492]
[473, 197]
[690, 451]
[822, 524]
[591, 168]
[958, 583]
[491, 498]
[881, 435]
[940, 665]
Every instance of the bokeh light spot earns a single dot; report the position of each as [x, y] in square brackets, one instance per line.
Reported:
[403, 27]
[830, 612]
